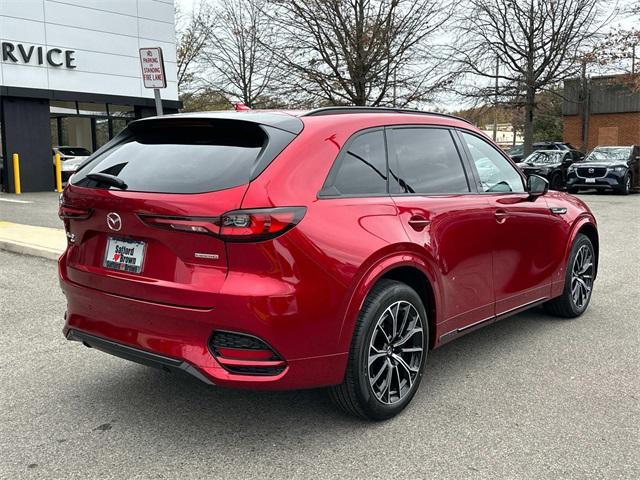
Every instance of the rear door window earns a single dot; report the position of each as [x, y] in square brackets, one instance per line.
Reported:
[180, 156]
[425, 161]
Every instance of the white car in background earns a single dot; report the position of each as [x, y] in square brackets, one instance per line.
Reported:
[70, 160]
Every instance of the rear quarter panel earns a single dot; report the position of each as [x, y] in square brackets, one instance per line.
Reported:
[341, 246]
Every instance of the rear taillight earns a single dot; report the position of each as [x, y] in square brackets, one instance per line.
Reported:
[236, 226]
[259, 224]
[76, 213]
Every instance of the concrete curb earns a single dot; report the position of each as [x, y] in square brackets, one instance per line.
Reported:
[43, 242]
[31, 250]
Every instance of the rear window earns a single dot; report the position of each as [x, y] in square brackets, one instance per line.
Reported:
[183, 156]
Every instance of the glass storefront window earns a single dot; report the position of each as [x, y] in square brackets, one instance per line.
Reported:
[118, 125]
[76, 132]
[102, 132]
[54, 131]
[65, 108]
[122, 111]
[92, 109]
[87, 124]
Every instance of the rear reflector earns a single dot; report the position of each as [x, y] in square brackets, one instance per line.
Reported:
[240, 354]
[236, 226]
[245, 354]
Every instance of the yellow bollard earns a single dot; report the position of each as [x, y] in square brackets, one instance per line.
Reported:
[16, 173]
[58, 174]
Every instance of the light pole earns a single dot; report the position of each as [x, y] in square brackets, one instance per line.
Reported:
[495, 102]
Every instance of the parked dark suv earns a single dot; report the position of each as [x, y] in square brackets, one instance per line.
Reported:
[607, 168]
[517, 153]
[328, 248]
[550, 164]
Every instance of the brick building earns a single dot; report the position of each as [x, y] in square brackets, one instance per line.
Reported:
[612, 113]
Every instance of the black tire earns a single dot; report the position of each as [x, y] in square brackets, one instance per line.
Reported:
[565, 305]
[355, 395]
[626, 185]
[556, 183]
[572, 190]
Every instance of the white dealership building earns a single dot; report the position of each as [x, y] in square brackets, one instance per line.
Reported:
[70, 75]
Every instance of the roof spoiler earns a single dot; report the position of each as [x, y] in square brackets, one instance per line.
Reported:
[281, 121]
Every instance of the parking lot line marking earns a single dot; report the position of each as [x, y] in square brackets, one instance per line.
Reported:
[11, 200]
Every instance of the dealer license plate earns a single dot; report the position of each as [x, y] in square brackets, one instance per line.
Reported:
[124, 255]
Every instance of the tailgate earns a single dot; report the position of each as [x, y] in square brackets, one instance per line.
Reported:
[142, 212]
[176, 268]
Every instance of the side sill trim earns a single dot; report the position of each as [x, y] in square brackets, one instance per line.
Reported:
[447, 337]
[136, 355]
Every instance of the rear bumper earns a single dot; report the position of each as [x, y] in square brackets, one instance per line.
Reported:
[176, 337]
[136, 355]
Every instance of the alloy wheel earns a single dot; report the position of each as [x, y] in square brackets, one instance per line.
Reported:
[582, 277]
[395, 352]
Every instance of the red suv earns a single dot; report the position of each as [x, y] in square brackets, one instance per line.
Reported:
[277, 250]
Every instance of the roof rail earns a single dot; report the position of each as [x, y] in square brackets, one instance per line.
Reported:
[352, 109]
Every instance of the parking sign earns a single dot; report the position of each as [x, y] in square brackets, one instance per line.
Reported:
[153, 67]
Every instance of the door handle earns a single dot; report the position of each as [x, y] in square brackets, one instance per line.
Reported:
[501, 216]
[418, 223]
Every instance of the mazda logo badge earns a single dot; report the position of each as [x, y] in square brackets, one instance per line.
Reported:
[591, 170]
[114, 222]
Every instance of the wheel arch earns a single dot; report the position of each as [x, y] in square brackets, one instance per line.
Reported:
[417, 280]
[408, 268]
[591, 232]
[585, 225]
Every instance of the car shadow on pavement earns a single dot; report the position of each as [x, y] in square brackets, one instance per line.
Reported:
[152, 402]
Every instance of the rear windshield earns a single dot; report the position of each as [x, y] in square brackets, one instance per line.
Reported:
[74, 151]
[179, 156]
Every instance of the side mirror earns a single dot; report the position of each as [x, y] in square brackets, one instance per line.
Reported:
[537, 186]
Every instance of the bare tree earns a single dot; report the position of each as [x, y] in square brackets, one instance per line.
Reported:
[192, 33]
[361, 52]
[536, 42]
[620, 50]
[236, 60]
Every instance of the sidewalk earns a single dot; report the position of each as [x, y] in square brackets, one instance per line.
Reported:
[29, 224]
[42, 242]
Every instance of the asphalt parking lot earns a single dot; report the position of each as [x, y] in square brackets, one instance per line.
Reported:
[39, 209]
[528, 398]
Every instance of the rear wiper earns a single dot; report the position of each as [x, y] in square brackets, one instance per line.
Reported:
[111, 180]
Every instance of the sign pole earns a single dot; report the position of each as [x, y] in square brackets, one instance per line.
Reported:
[156, 93]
